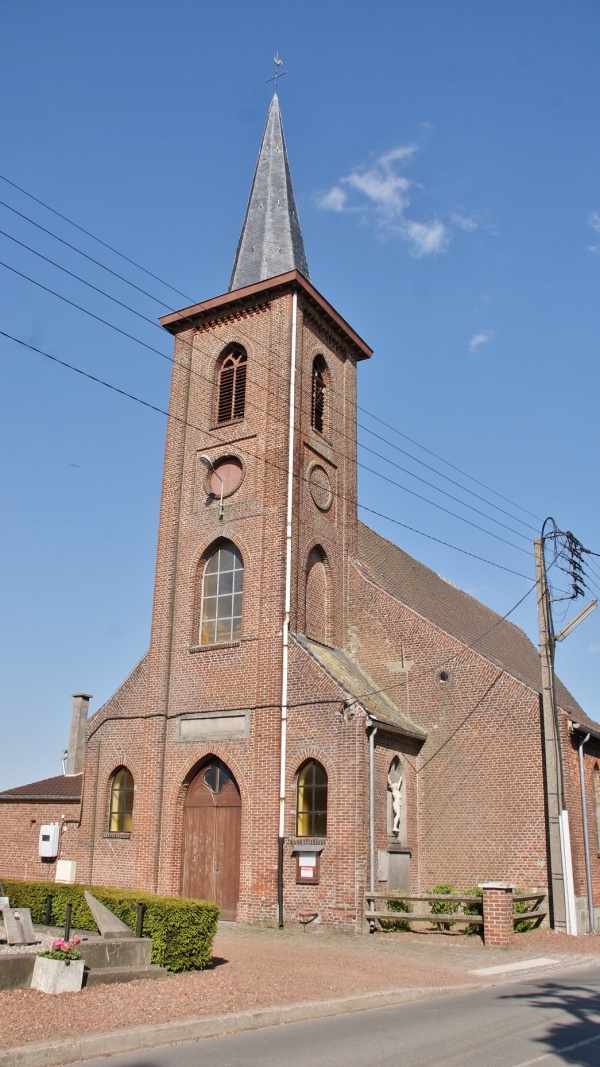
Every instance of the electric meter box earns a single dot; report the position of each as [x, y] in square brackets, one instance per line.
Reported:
[49, 838]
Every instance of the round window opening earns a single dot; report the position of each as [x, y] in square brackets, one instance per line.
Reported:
[230, 472]
[320, 487]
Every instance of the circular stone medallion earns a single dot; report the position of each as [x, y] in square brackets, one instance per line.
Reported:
[320, 487]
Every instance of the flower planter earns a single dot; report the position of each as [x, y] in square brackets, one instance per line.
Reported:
[57, 976]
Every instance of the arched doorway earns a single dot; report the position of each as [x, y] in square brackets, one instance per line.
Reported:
[211, 844]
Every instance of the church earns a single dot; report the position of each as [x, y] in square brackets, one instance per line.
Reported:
[319, 715]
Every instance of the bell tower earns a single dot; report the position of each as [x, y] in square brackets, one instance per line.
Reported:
[258, 514]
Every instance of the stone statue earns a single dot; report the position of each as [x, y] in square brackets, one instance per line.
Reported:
[396, 791]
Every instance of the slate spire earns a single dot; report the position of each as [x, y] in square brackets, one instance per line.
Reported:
[271, 241]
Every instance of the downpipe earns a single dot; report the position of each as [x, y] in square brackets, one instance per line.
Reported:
[286, 615]
[372, 926]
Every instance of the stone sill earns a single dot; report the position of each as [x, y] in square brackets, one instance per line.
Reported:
[213, 648]
[116, 836]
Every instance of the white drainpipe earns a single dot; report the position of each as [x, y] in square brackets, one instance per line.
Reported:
[287, 609]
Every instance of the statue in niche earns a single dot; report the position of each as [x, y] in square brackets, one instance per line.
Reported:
[395, 788]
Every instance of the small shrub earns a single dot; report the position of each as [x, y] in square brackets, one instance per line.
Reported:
[397, 904]
[520, 906]
[443, 907]
[182, 930]
[474, 909]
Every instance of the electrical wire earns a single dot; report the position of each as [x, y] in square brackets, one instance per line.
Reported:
[199, 306]
[185, 422]
[172, 360]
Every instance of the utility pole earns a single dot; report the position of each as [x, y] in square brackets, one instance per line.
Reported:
[561, 883]
[551, 742]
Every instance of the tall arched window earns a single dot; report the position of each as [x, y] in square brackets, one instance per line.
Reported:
[311, 806]
[120, 816]
[317, 601]
[317, 401]
[222, 587]
[232, 385]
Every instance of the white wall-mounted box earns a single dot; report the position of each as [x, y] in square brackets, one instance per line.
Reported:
[66, 871]
[49, 840]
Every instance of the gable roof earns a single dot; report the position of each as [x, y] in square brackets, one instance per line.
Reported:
[62, 787]
[358, 686]
[458, 614]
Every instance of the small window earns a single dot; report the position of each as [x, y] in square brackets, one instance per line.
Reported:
[317, 403]
[121, 802]
[311, 809]
[222, 587]
[232, 386]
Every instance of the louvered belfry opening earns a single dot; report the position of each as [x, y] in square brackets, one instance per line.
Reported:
[317, 407]
[232, 385]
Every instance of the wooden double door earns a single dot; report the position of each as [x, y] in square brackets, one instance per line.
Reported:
[211, 849]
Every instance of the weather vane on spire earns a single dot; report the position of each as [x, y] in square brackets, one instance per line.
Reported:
[278, 73]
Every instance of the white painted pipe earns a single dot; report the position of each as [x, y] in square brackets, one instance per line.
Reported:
[287, 604]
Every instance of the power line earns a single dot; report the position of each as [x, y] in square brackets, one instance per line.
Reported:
[447, 462]
[444, 491]
[78, 278]
[92, 235]
[447, 477]
[172, 360]
[185, 422]
[200, 305]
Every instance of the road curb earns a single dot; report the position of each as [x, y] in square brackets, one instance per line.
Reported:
[75, 1049]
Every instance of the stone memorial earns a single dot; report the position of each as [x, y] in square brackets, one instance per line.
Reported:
[18, 926]
[108, 924]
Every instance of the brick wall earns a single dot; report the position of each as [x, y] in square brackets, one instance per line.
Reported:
[20, 823]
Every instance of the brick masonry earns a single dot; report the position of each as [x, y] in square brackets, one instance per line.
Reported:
[473, 789]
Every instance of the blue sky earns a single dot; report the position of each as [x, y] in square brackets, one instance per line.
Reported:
[446, 166]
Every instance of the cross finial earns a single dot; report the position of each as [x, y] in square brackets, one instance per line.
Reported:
[278, 72]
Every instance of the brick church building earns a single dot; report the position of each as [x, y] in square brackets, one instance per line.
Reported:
[318, 714]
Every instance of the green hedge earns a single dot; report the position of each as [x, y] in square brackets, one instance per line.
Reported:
[182, 930]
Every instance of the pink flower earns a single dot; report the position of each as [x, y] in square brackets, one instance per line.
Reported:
[75, 941]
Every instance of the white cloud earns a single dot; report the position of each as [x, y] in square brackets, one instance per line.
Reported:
[594, 222]
[479, 339]
[468, 223]
[334, 200]
[381, 194]
[427, 238]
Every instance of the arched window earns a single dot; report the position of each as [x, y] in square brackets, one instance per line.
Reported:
[232, 385]
[311, 807]
[317, 400]
[222, 586]
[317, 596]
[121, 802]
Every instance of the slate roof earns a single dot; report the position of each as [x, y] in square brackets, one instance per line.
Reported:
[62, 787]
[357, 685]
[271, 240]
[458, 614]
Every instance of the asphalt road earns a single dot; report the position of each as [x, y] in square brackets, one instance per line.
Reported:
[548, 1021]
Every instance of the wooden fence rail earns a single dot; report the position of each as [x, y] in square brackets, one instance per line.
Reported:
[378, 916]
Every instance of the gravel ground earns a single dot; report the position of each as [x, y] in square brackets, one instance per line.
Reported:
[261, 968]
